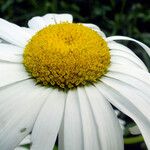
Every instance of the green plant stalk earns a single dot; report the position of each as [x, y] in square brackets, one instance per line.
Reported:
[133, 140]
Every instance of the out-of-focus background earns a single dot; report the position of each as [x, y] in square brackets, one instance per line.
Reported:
[115, 17]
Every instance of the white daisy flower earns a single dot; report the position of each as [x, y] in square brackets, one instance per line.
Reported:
[59, 82]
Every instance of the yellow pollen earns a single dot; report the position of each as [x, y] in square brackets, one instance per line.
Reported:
[66, 55]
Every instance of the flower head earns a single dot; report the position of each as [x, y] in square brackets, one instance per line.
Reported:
[38, 62]
[66, 55]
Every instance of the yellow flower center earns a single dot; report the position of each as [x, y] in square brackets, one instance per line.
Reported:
[66, 55]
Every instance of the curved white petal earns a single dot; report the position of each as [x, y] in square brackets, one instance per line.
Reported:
[71, 134]
[57, 18]
[138, 84]
[134, 72]
[121, 48]
[95, 28]
[5, 47]
[139, 99]
[3, 41]
[18, 111]
[112, 38]
[10, 53]
[117, 46]
[129, 57]
[36, 23]
[13, 33]
[130, 101]
[90, 136]
[115, 59]
[109, 130]
[29, 31]
[61, 136]
[47, 125]
[11, 73]
[49, 19]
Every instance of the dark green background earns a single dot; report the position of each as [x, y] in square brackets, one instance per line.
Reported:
[115, 17]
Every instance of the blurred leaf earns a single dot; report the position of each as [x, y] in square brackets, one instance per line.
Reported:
[55, 148]
[6, 5]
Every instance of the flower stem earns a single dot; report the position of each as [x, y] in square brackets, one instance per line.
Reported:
[133, 140]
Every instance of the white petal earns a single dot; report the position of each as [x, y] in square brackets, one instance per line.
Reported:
[130, 102]
[18, 111]
[95, 28]
[63, 18]
[134, 72]
[90, 136]
[129, 57]
[119, 47]
[61, 136]
[10, 53]
[49, 19]
[109, 130]
[3, 41]
[13, 33]
[71, 131]
[11, 48]
[57, 18]
[36, 23]
[48, 122]
[146, 48]
[134, 130]
[139, 99]
[131, 81]
[11, 73]
[115, 59]
[26, 140]
[29, 31]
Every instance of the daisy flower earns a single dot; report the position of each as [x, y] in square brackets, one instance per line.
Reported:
[59, 79]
